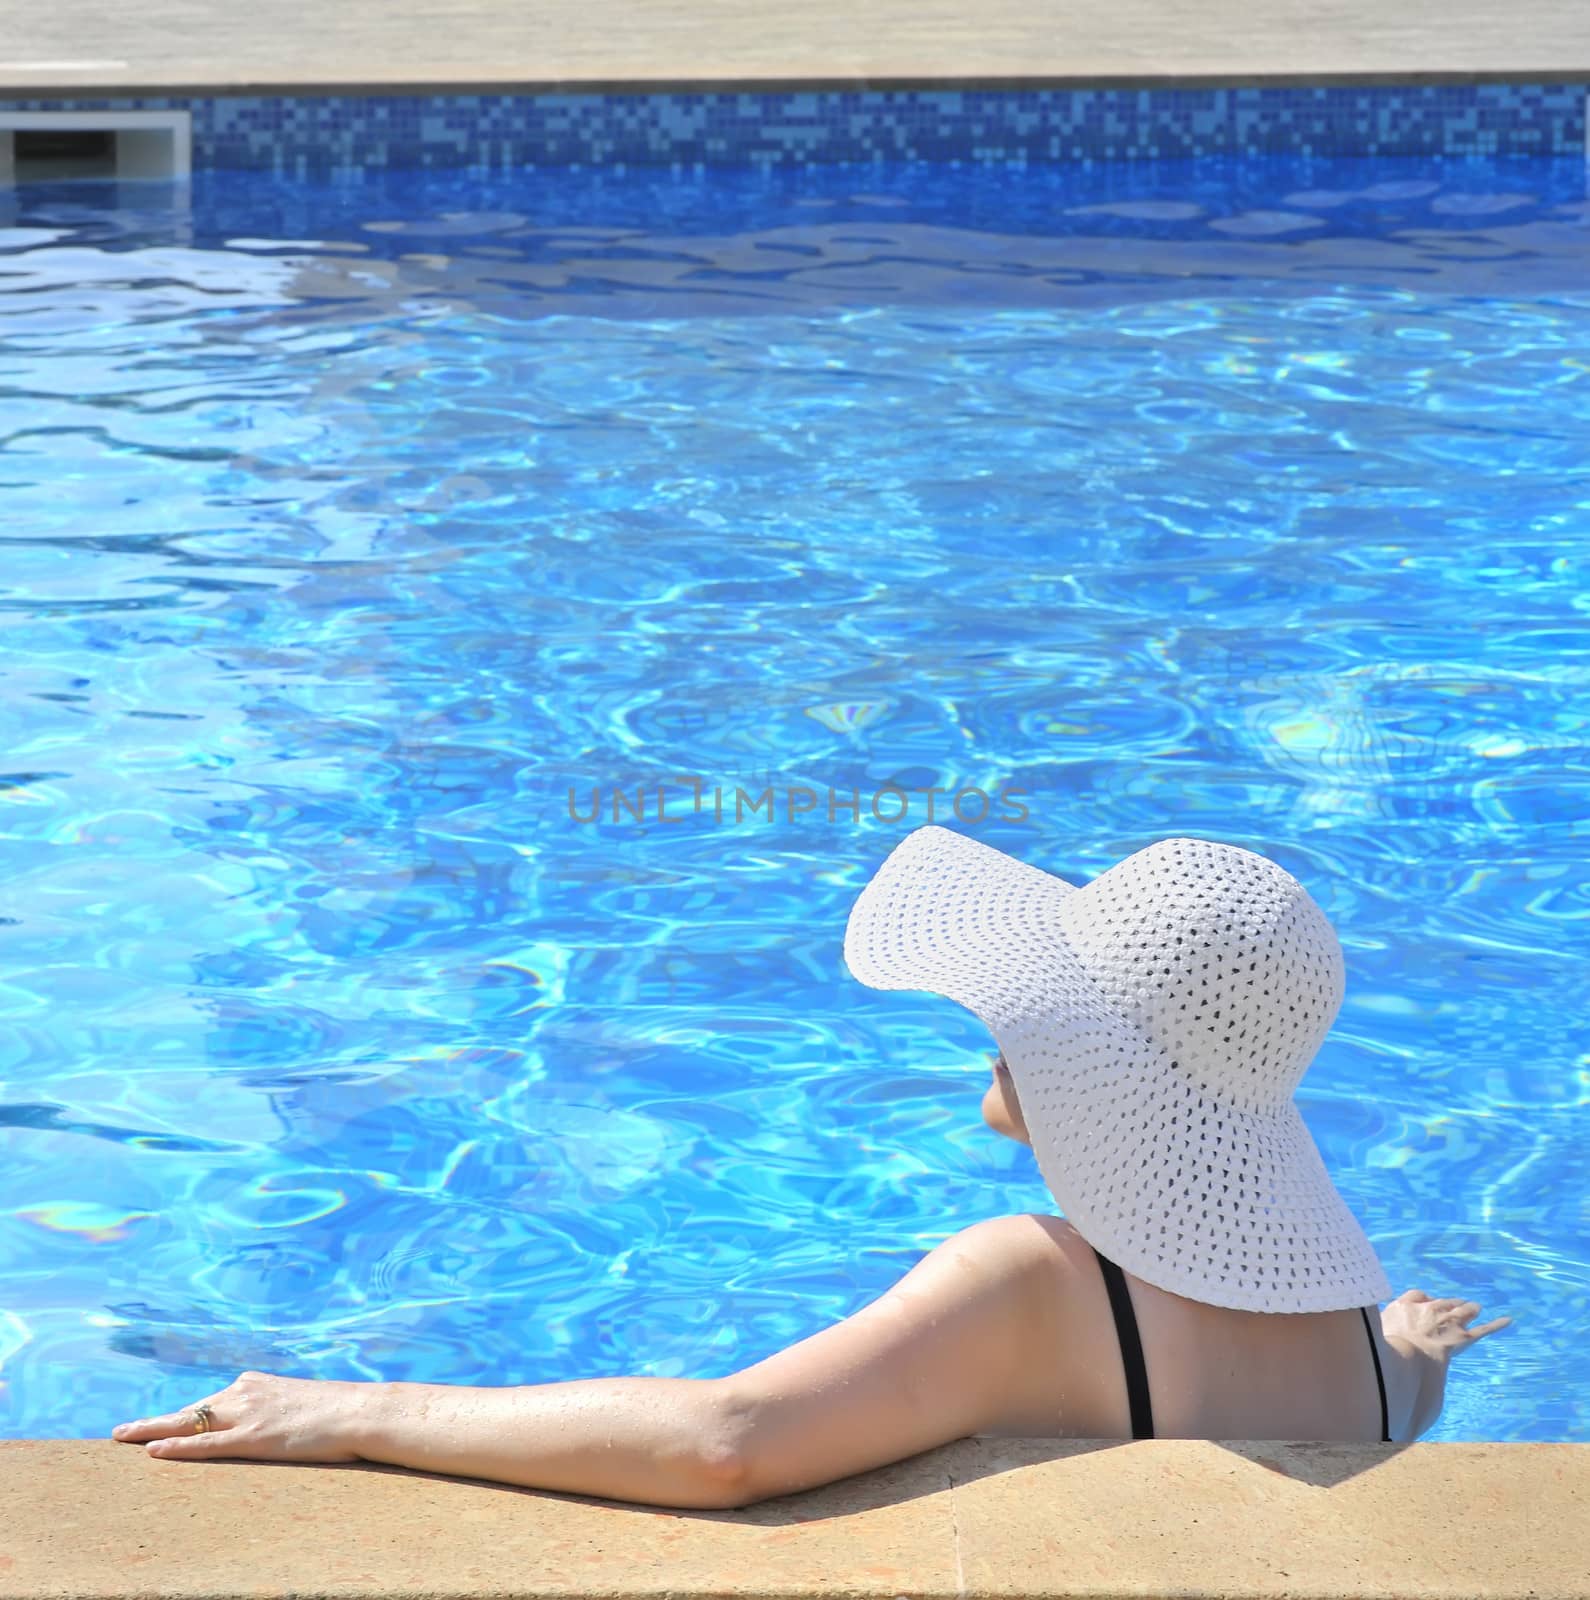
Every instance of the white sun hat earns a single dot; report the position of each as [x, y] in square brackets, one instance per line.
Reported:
[1156, 1022]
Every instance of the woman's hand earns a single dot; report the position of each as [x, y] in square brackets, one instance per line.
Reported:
[1436, 1326]
[262, 1418]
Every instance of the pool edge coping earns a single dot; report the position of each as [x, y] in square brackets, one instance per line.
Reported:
[823, 84]
[985, 1517]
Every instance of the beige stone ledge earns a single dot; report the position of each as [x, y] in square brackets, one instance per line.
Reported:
[997, 1517]
[284, 46]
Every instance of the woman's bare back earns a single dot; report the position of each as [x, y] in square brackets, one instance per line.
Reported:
[1213, 1373]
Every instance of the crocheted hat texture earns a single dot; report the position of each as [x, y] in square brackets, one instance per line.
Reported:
[1156, 1022]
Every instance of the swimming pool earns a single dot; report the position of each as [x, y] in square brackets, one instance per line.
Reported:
[351, 529]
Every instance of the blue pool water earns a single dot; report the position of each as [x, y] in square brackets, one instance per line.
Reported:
[347, 530]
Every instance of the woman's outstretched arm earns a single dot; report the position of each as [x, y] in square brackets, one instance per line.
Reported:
[938, 1357]
[658, 1441]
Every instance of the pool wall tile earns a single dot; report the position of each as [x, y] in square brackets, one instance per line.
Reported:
[303, 134]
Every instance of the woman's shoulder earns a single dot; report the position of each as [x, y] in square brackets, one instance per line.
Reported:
[1038, 1243]
[1039, 1250]
[1045, 1233]
[1022, 1235]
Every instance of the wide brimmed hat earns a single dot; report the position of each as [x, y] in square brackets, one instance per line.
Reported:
[1156, 1022]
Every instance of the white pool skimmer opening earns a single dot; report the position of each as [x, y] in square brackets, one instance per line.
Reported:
[114, 146]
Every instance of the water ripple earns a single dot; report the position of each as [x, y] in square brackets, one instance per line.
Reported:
[349, 529]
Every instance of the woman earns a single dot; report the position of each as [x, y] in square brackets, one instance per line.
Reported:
[1207, 1281]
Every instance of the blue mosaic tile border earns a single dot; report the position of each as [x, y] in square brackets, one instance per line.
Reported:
[306, 134]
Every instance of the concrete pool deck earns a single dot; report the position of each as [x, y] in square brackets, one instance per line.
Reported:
[205, 46]
[1000, 1517]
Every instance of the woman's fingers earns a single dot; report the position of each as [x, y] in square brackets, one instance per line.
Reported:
[173, 1422]
[143, 1428]
[199, 1446]
[1450, 1315]
[260, 1417]
[1465, 1311]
